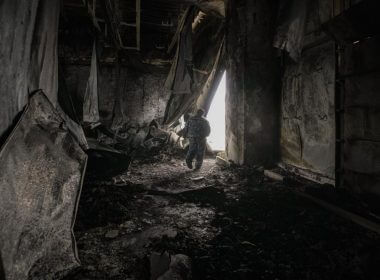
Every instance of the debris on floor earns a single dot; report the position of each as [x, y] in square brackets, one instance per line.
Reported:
[233, 223]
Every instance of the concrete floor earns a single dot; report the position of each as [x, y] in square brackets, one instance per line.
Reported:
[232, 223]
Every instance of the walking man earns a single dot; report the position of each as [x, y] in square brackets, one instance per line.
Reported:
[197, 129]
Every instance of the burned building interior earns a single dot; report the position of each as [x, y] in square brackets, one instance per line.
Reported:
[95, 96]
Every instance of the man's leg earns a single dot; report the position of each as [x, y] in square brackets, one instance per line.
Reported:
[201, 146]
[191, 153]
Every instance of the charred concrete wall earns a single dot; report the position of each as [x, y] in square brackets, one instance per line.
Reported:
[315, 107]
[235, 34]
[308, 113]
[360, 129]
[308, 93]
[252, 83]
[142, 95]
[356, 34]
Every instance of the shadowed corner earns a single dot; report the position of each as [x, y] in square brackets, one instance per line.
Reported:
[2, 272]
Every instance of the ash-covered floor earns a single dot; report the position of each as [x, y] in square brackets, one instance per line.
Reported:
[232, 223]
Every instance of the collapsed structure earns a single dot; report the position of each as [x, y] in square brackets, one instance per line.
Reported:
[98, 81]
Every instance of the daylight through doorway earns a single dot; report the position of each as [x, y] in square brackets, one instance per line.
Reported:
[216, 117]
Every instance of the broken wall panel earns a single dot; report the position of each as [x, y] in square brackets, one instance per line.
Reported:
[308, 113]
[37, 213]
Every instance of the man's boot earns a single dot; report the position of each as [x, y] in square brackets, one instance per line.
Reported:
[198, 165]
[189, 164]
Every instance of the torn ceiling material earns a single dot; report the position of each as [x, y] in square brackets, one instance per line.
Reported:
[37, 213]
[44, 61]
[140, 87]
[205, 55]
[28, 55]
[90, 103]
[180, 78]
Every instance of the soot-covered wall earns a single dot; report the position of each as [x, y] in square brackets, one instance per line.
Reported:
[360, 89]
[308, 92]
[308, 113]
[141, 95]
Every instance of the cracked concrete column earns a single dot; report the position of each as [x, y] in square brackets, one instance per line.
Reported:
[253, 83]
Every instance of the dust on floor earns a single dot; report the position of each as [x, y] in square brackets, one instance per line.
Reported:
[233, 223]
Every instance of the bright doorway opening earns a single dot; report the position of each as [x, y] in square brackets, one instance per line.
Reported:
[216, 117]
